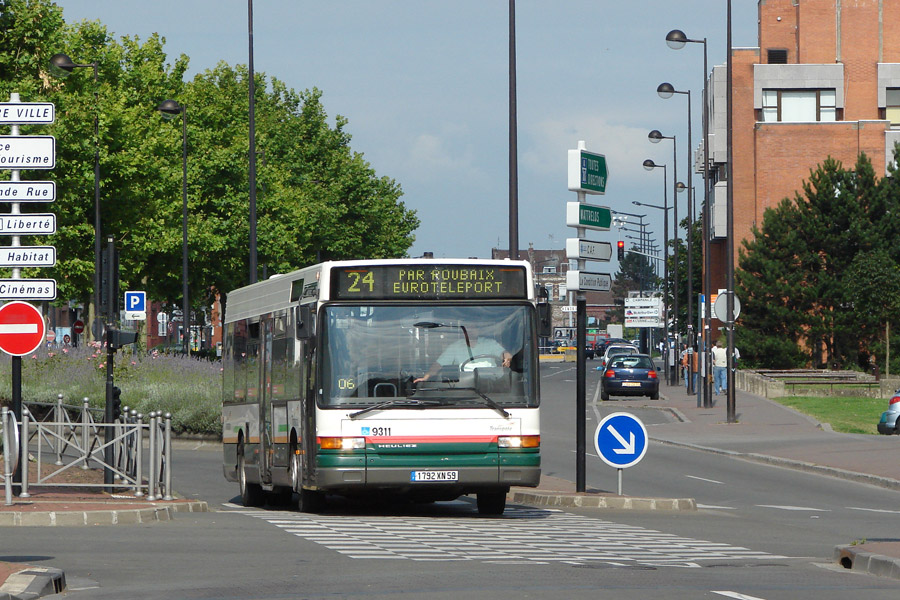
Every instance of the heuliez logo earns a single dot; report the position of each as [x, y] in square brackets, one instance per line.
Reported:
[388, 446]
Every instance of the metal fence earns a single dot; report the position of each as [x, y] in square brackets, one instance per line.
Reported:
[56, 438]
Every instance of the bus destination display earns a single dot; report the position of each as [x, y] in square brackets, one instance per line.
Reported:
[428, 282]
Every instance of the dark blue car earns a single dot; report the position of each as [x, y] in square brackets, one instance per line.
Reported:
[630, 375]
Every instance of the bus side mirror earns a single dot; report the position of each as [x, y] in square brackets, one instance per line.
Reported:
[545, 320]
[306, 321]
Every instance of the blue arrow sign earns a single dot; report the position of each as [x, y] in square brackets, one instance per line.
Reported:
[136, 301]
[621, 440]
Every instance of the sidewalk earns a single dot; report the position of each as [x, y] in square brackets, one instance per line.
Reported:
[764, 431]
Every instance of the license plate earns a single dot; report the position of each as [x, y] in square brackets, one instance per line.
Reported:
[631, 384]
[434, 476]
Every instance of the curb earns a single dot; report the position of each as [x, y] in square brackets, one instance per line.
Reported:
[99, 517]
[564, 500]
[867, 562]
[33, 582]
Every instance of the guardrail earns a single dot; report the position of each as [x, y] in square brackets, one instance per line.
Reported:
[70, 438]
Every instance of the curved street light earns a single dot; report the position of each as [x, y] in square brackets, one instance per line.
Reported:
[650, 165]
[61, 66]
[170, 109]
[677, 40]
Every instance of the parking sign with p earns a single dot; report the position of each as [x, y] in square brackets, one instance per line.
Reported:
[136, 306]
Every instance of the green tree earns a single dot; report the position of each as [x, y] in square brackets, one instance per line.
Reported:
[317, 199]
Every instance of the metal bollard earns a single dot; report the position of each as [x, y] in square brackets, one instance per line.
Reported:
[85, 433]
[58, 417]
[7, 459]
[139, 445]
[151, 478]
[168, 464]
[23, 453]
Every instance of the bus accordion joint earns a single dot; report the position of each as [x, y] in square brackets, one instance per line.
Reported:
[342, 443]
[519, 441]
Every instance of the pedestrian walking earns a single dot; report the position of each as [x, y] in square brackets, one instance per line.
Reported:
[720, 366]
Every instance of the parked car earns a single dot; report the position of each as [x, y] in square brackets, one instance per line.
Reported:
[630, 375]
[890, 424]
[589, 351]
[615, 350]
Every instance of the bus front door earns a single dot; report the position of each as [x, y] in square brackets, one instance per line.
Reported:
[266, 437]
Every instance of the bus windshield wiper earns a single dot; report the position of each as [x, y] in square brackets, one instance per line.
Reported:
[392, 403]
[493, 405]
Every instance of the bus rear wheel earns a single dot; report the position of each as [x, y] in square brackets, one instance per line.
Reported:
[491, 503]
[251, 493]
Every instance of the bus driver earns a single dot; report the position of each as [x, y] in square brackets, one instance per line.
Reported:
[472, 346]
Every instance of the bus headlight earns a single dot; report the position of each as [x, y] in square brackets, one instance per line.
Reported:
[519, 441]
[342, 443]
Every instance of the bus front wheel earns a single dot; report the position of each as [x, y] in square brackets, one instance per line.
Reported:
[310, 501]
[491, 503]
[251, 493]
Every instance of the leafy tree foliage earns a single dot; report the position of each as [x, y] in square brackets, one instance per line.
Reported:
[316, 198]
[806, 271]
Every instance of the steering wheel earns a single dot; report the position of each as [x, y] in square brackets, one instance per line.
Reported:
[480, 360]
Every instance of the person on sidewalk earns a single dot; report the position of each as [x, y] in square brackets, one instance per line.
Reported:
[720, 364]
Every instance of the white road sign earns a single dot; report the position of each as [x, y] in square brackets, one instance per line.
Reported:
[27, 256]
[27, 191]
[587, 281]
[27, 289]
[586, 249]
[22, 113]
[28, 224]
[27, 152]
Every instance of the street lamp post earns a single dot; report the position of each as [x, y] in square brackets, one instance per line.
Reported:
[676, 39]
[655, 136]
[665, 91]
[61, 66]
[650, 165]
[169, 110]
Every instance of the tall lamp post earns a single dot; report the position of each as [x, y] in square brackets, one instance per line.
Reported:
[676, 39]
[169, 110]
[61, 67]
[655, 136]
[665, 91]
[650, 165]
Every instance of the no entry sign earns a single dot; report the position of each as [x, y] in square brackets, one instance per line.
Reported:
[21, 328]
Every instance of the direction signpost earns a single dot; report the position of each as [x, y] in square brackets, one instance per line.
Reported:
[621, 441]
[22, 328]
[587, 174]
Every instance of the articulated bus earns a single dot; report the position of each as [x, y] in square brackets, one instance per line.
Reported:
[415, 378]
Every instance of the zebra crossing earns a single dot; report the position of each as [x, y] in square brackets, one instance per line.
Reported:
[521, 535]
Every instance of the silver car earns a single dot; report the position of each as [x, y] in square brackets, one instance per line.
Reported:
[889, 423]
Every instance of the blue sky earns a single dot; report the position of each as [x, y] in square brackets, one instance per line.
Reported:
[424, 85]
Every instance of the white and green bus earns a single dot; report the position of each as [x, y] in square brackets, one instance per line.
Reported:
[415, 377]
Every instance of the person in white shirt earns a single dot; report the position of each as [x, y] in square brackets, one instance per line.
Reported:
[720, 366]
[471, 346]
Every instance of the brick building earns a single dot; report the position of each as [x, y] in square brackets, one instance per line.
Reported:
[824, 81]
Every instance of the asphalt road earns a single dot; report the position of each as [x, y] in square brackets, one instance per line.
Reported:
[762, 532]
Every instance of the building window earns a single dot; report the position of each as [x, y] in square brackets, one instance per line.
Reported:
[798, 106]
[549, 268]
[892, 106]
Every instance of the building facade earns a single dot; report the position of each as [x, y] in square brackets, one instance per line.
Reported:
[824, 81]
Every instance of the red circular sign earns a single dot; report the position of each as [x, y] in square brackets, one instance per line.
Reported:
[21, 328]
[78, 326]
[51, 335]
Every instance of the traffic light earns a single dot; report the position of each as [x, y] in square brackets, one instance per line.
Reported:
[116, 403]
[621, 247]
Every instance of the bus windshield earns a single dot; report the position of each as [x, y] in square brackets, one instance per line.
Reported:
[443, 355]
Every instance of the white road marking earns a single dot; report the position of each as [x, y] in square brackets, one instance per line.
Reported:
[798, 508]
[704, 479]
[736, 595]
[877, 510]
[521, 536]
[714, 507]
